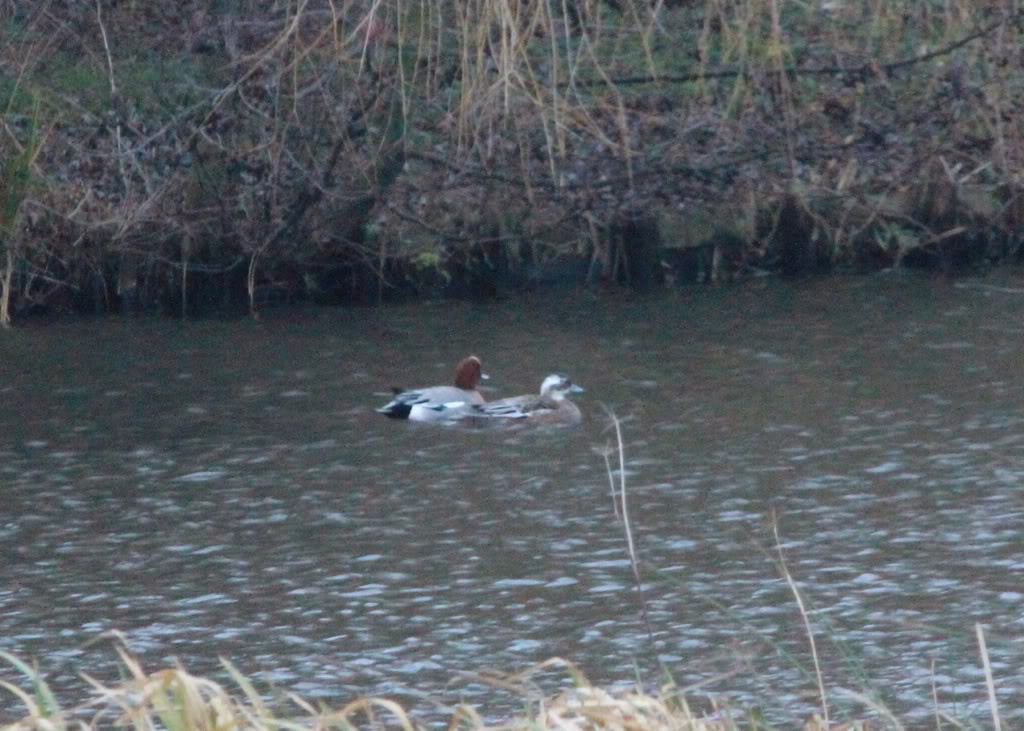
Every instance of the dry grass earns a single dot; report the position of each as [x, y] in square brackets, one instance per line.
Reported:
[296, 137]
[174, 699]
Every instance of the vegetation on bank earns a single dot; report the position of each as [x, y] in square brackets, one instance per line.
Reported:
[174, 699]
[228, 153]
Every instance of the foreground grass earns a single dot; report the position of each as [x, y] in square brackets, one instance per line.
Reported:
[173, 698]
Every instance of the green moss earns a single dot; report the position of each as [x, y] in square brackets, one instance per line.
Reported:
[14, 97]
[154, 86]
[160, 85]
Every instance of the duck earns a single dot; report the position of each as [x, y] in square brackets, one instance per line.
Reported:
[439, 403]
[551, 406]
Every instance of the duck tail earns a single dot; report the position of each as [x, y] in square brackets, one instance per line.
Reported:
[395, 410]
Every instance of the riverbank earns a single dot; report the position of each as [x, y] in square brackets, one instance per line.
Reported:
[184, 159]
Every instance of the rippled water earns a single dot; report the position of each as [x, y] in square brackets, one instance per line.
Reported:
[225, 488]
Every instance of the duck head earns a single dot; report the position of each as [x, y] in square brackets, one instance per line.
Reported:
[557, 386]
[468, 373]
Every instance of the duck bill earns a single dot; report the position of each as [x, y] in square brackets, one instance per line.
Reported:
[577, 389]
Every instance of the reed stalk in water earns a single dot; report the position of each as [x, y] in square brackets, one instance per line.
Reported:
[990, 684]
[623, 515]
[806, 620]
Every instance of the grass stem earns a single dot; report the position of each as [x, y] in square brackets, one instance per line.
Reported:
[989, 681]
[806, 620]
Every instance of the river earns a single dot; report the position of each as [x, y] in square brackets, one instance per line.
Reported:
[224, 488]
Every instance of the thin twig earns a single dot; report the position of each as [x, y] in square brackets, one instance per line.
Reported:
[989, 680]
[106, 48]
[865, 70]
[626, 526]
[806, 620]
[872, 704]
[113, 102]
[935, 698]
[611, 482]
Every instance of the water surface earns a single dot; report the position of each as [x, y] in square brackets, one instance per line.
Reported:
[225, 488]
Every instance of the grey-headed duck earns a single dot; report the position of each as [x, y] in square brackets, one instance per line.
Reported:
[550, 406]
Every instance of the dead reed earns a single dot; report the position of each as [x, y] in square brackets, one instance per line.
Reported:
[173, 698]
[338, 150]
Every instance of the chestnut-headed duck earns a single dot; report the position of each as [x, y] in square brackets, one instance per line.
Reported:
[439, 403]
[550, 406]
